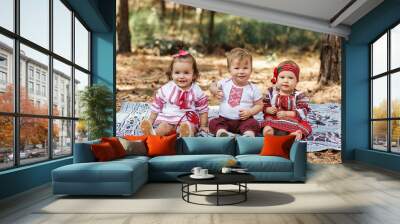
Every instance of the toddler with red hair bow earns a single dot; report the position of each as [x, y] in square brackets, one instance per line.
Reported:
[180, 105]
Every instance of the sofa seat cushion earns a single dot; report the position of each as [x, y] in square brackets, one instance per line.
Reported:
[257, 163]
[133, 158]
[185, 163]
[112, 171]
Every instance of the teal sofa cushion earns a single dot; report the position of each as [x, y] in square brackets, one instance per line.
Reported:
[128, 159]
[118, 177]
[111, 171]
[185, 163]
[257, 163]
[199, 146]
[246, 145]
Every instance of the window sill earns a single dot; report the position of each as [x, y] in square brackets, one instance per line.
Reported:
[26, 167]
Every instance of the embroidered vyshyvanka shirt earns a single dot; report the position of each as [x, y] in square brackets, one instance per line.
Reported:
[172, 103]
[297, 101]
[236, 98]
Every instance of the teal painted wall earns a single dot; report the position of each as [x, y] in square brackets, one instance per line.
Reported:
[104, 54]
[89, 11]
[379, 159]
[99, 16]
[24, 178]
[355, 97]
[356, 101]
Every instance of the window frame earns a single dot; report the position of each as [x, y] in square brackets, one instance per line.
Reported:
[388, 74]
[16, 114]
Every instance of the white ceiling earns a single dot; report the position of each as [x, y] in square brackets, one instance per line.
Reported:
[321, 9]
[315, 15]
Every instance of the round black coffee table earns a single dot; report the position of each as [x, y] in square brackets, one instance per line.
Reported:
[238, 179]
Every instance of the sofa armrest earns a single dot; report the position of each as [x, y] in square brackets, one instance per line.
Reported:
[299, 158]
[83, 152]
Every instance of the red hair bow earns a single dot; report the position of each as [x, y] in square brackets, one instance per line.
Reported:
[180, 54]
[275, 77]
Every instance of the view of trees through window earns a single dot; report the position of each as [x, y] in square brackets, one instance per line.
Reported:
[385, 79]
[40, 84]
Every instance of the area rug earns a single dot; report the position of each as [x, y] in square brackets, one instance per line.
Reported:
[166, 198]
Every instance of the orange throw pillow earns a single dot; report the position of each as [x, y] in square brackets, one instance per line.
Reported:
[161, 145]
[116, 145]
[277, 145]
[136, 137]
[103, 152]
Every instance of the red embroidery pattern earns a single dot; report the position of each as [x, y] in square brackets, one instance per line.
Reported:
[182, 100]
[235, 96]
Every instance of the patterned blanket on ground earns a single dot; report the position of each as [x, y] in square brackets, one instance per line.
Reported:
[324, 119]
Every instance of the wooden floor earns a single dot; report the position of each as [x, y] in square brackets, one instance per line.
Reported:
[377, 188]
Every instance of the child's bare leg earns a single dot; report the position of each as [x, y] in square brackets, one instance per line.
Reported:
[249, 134]
[298, 134]
[268, 130]
[186, 129]
[164, 128]
[147, 127]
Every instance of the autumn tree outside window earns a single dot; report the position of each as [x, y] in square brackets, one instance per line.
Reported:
[44, 64]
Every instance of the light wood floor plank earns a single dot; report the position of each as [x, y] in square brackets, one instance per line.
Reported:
[377, 191]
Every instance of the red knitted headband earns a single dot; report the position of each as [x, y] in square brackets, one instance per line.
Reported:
[286, 67]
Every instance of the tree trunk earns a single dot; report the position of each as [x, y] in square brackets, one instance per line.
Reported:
[181, 18]
[123, 33]
[163, 9]
[330, 69]
[173, 16]
[210, 32]
[200, 16]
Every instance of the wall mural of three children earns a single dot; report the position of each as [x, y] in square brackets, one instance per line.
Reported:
[181, 106]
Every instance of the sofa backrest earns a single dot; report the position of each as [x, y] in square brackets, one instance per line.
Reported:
[83, 153]
[249, 145]
[206, 145]
[190, 146]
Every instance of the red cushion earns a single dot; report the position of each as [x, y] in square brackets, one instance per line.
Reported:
[103, 151]
[277, 145]
[116, 145]
[161, 145]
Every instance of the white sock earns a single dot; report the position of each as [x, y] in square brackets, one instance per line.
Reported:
[220, 132]
[249, 134]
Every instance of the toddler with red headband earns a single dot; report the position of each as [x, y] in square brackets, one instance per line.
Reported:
[285, 108]
[180, 105]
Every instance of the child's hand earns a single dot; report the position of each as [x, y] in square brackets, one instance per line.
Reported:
[281, 114]
[219, 94]
[245, 114]
[271, 110]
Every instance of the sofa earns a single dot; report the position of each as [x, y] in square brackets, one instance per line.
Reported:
[126, 175]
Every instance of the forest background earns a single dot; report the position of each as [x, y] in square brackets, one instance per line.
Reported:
[150, 31]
